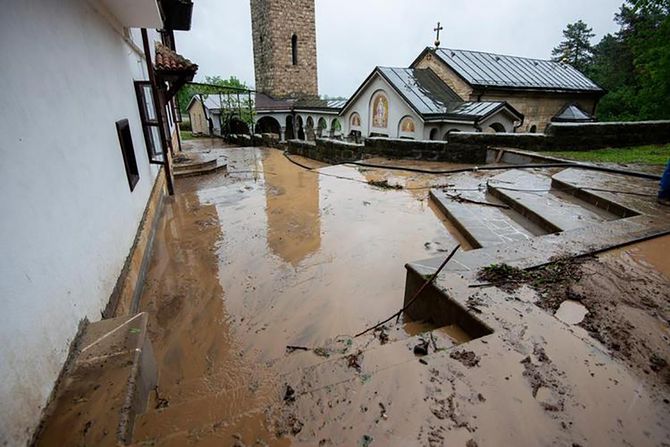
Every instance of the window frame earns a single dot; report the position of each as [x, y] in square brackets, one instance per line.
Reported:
[151, 139]
[128, 152]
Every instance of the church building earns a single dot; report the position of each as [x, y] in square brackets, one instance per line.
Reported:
[447, 90]
[444, 90]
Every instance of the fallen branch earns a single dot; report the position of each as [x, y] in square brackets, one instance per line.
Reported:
[290, 348]
[459, 198]
[414, 297]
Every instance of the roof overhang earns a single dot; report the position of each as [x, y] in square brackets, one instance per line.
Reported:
[135, 13]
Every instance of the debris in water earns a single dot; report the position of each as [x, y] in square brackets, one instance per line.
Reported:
[321, 352]
[290, 348]
[289, 395]
[467, 358]
[383, 412]
[421, 348]
[354, 360]
[382, 334]
[384, 184]
[366, 440]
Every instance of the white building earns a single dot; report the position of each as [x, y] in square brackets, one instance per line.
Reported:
[415, 103]
[79, 162]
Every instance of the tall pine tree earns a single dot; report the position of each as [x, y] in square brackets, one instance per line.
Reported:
[576, 48]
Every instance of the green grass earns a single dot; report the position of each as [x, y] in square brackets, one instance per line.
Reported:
[186, 135]
[653, 155]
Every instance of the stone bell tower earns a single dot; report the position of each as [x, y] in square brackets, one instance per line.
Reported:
[284, 38]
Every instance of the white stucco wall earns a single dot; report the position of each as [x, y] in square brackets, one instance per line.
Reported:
[68, 218]
[397, 110]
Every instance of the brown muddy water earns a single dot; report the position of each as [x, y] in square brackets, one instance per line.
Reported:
[269, 255]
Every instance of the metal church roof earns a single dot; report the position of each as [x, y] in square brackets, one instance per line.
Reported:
[495, 70]
[422, 88]
[429, 96]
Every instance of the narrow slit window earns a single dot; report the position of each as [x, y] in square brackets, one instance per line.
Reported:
[294, 49]
[128, 151]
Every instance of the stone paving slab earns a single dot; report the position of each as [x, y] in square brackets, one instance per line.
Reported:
[481, 225]
[531, 195]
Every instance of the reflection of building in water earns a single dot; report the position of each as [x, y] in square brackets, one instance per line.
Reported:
[292, 207]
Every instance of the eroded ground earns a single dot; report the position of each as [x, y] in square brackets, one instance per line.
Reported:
[273, 255]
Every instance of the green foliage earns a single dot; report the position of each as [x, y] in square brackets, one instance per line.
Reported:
[633, 65]
[215, 84]
[576, 49]
[653, 155]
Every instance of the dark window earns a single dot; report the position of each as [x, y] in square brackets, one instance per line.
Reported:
[128, 151]
[533, 128]
[294, 49]
[150, 125]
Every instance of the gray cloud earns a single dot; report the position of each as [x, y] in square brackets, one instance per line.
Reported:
[353, 36]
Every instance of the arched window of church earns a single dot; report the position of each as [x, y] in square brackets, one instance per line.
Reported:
[379, 111]
[355, 120]
[294, 49]
[406, 127]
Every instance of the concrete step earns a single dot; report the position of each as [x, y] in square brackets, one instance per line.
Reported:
[195, 164]
[200, 169]
[483, 225]
[620, 195]
[105, 387]
[532, 196]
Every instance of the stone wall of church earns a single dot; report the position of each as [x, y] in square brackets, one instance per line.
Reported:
[539, 108]
[274, 23]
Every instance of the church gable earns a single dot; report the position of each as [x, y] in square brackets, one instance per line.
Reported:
[377, 109]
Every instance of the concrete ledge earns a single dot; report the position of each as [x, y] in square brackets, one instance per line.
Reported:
[125, 296]
[426, 150]
[574, 136]
[105, 388]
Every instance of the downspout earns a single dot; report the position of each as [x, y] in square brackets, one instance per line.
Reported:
[160, 109]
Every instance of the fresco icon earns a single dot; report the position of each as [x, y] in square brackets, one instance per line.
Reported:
[380, 111]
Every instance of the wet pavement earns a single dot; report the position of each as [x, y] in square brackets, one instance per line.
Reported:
[269, 255]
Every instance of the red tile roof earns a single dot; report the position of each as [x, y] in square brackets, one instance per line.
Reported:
[168, 60]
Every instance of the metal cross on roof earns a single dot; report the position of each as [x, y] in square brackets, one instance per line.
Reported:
[437, 39]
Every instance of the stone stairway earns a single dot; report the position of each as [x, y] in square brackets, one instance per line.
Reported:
[518, 205]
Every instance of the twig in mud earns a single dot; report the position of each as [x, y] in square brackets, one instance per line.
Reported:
[416, 294]
[290, 348]
[432, 339]
[459, 198]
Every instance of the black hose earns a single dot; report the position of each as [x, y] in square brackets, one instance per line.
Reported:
[566, 164]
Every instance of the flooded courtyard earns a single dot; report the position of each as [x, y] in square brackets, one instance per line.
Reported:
[261, 274]
[272, 255]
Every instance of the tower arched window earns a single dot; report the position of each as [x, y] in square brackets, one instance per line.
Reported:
[294, 49]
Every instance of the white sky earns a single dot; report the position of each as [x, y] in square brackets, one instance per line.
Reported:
[354, 36]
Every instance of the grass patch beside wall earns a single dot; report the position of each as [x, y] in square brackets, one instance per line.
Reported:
[653, 155]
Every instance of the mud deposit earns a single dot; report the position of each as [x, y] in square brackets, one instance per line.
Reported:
[270, 255]
[627, 294]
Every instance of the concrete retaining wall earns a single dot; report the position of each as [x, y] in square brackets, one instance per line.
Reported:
[333, 151]
[572, 136]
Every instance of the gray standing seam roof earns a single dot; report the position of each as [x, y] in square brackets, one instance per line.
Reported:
[431, 97]
[494, 70]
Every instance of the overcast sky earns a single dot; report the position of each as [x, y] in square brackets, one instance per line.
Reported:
[354, 36]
